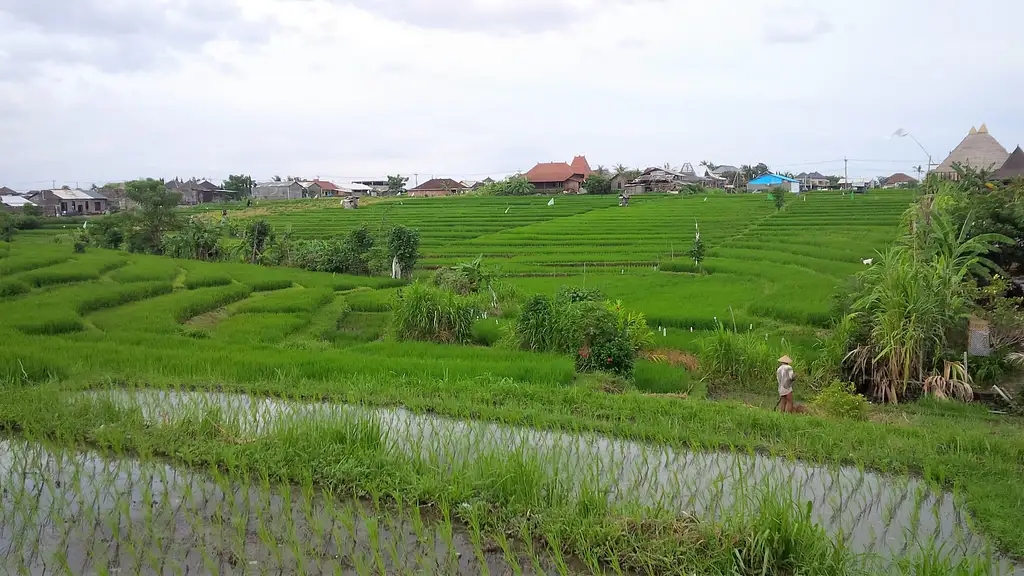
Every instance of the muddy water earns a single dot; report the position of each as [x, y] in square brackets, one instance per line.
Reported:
[77, 513]
[875, 515]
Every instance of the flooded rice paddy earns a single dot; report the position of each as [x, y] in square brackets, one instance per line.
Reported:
[79, 513]
[72, 512]
[874, 515]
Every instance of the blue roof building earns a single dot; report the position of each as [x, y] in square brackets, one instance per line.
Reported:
[767, 181]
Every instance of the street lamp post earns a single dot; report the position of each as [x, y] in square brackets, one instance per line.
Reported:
[901, 133]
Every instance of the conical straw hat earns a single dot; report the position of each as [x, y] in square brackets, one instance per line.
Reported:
[786, 360]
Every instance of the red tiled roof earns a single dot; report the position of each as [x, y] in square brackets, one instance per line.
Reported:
[325, 185]
[550, 172]
[581, 166]
[899, 178]
[441, 184]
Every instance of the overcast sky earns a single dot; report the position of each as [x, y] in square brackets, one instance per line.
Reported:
[104, 90]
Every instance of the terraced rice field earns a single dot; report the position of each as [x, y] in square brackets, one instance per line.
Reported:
[307, 441]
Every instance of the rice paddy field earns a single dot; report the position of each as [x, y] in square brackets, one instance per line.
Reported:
[163, 416]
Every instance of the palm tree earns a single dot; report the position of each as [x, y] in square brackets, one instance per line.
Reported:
[620, 168]
[709, 165]
[601, 170]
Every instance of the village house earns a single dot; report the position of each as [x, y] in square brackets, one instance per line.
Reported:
[858, 184]
[618, 182]
[13, 203]
[317, 188]
[978, 150]
[899, 180]
[376, 187]
[279, 190]
[661, 179]
[5, 191]
[812, 180]
[65, 201]
[560, 176]
[769, 181]
[706, 177]
[437, 187]
[355, 189]
[1012, 168]
[195, 191]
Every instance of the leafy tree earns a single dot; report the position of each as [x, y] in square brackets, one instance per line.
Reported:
[631, 175]
[404, 247]
[156, 212]
[601, 170]
[620, 169]
[7, 227]
[276, 178]
[257, 238]
[32, 210]
[111, 231]
[240, 185]
[356, 251]
[597, 184]
[709, 165]
[396, 184]
[833, 181]
[779, 198]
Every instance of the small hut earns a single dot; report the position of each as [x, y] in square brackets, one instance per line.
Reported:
[1012, 168]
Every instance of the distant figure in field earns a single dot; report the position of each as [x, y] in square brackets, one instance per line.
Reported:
[248, 203]
[785, 375]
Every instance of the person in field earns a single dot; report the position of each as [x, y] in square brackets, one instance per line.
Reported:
[785, 375]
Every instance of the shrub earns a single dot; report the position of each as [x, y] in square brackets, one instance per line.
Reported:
[7, 227]
[404, 245]
[601, 336]
[839, 400]
[778, 198]
[423, 312]
[13, 288]
[633, 325]
[603, 347]
[26, 222]
[573, 294]
[351, 255]
[197, 240]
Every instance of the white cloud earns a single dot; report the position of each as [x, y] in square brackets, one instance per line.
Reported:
[324, 87]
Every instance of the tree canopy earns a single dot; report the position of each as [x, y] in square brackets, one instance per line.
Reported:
[598, 184]
[396, 184]
[155, 215]
[240, 185]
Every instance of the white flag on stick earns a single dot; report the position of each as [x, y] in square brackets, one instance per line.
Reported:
[551, 202]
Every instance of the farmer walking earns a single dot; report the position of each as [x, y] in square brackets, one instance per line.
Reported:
[785, 376]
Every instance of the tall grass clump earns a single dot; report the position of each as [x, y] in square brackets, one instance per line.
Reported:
[743, 359]
[424, 312]
[913, 297]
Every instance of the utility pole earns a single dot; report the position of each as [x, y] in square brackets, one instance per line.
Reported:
[846, 172]
[416, 181]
